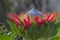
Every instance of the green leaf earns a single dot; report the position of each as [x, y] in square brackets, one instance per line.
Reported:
[34, 32]
[55, 38]
[14, 29]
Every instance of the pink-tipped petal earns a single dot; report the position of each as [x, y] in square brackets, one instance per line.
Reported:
[17, 17]
[14, 19]
[48, 16]
[54, 17]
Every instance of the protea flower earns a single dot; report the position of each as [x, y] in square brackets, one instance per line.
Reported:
[16, 19]
[35, 31]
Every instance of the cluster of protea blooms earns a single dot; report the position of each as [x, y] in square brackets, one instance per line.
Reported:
[28, 21]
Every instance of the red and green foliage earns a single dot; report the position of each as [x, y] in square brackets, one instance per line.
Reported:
[34, 29]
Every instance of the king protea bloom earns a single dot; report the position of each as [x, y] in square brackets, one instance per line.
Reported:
[28, 22]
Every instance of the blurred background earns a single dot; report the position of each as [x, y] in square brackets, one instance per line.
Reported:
[18, 5]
